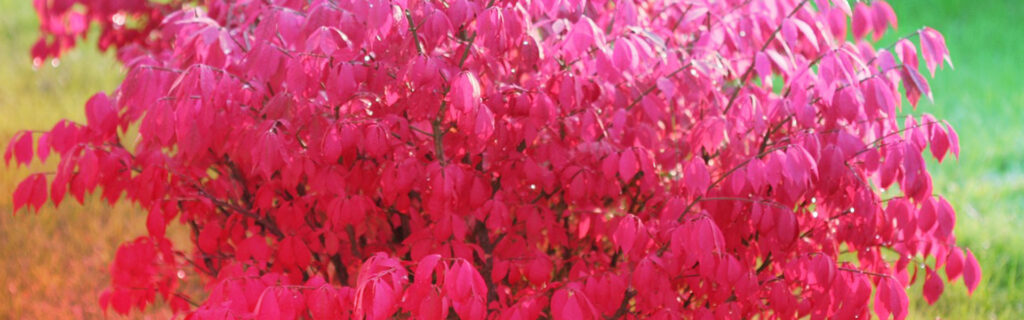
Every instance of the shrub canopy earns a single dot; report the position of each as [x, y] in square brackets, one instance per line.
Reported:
[566, 159]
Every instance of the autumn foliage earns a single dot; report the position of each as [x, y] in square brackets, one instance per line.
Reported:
[562, 159]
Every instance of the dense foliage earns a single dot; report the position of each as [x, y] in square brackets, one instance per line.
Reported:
[565, 159]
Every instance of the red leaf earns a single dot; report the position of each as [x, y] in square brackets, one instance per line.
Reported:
[954, 140]
[384, 298]
[788, 32]
[708, 237]
[379, 287]
[341, 84]
[907, 53]
[484, 126]
[44, 147]
[571, 309]
[155, 223]
[610, 165]
[539, 271]
[628, 166]
[890, 299]
[626, 233]
[849, 102]
[862, 20]
[433, 307]
[697, 177]
[425, 269]
[268, 307]
[886, 61]
[626, 13]
[882, 15]
[624, 57]
[254, 247]
[38, 196]
[786, 227]
[938, 140]
[293, 253]
[208, 238]
[31, 191]
[954, 264]
[582, 36]
[926, 216]
[763, 66]
[326, 40]
[101, 115]
[933, 49]
[666, 86]
[946, 219]
[972, 272]
[466, 287]
[836, 20]
[571, 304]
[119, 299]
[933, 286]
[882, 95]
[843, 6]
[21, 148]
[465, 92]
[914, 85]
[323, 303]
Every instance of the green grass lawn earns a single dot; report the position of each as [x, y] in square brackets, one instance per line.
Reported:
[983, 98]
[52, 265]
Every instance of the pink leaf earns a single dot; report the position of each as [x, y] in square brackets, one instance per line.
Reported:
[571, 309]
[484, 126]
[21, 148]
[425, 269]
[882, 15]
[926, 216]
[38, 197]
[539, 271]
[44, 147]
[954, 264]
[465, 93]
[624, 57]
[763, 66]
[208, 238]
[972, 272]
[886, 61]
[933, 49]
[100, 113]
[907, 53]
[939, 142]
[914, 85]
[155, 223]
[628, 166]
[946, 219]
[31, 191]
[933, 286]
[697, 177]
[890, 299]
[862, 20]
[268, 307]
[786, 227]
[626, 233]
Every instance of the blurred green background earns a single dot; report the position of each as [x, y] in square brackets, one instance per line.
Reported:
[983, 98]
[54, 263]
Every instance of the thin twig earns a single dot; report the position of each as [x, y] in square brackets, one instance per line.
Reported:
[864, 272]
[415, 36]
